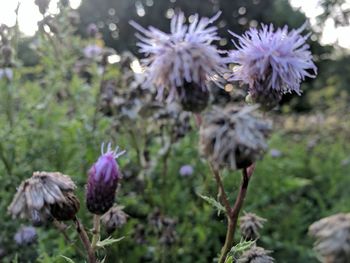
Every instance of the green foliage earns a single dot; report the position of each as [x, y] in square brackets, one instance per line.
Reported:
[50, 121]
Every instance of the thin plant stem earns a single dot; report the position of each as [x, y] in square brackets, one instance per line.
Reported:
[232, 213]
[96, 231]
[198, 119]
[97, 101]
[221, 193]
[62, 229]
[85, 240]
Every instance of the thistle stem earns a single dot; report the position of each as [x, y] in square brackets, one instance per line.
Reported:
[232, 213]
[96, 231]
[62, 229]
[85, 240]
[221, 190]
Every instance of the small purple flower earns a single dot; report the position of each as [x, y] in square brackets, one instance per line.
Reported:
[185, 56]
[92, 51]
[92, 30]
[103, 181]
[274, 153]
[272, 62]
[186, 170]
[25, 236]
[6, 73]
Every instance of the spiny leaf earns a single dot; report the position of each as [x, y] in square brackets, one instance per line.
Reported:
[108, 241]
[213, 202]
[229, 259]
[242, 246]
[67, 259]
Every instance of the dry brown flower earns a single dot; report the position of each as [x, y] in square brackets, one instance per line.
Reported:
[41, 194]
[114, 218]
[332, 236]
[250, 224]
[233, 137]
[256, 255]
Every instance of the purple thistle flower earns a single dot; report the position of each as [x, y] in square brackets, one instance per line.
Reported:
[92, 51]
[103, 181]
[186, 170]
[26, 235]
[185, 56]
[272, 62]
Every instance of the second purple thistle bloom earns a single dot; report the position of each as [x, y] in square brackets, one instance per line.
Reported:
[103, 180]
[272, 62]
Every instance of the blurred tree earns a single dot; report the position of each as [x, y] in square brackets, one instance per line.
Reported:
[112, 17]
[338, 10]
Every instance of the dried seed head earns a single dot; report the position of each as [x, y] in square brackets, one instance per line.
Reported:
[26, 235]
[74, 17]
[64, 3]
[163, 226]
[250, 224]
[332, 236]
[256, 255]
[37, 195]
[43, 5]
[233, 137]
[103, 180]
[114, 218]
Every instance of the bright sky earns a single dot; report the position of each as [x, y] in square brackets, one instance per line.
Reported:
[29, 15]
[331, 34]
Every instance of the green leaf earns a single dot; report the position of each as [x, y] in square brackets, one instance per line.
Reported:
[67, 259]
[15, 260]
[213, 202]
[229, 259]
[108, 241]
[238, 249]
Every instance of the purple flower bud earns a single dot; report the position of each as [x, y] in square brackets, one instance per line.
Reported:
[25, 235]
[103, 181]
[186, 170]
[92, 30]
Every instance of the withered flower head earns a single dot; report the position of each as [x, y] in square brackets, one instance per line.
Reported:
[256, 255]
[332, 236]
[114, 218]
[43, 5]
[233, 137]
[250, 224]
[43, 195]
